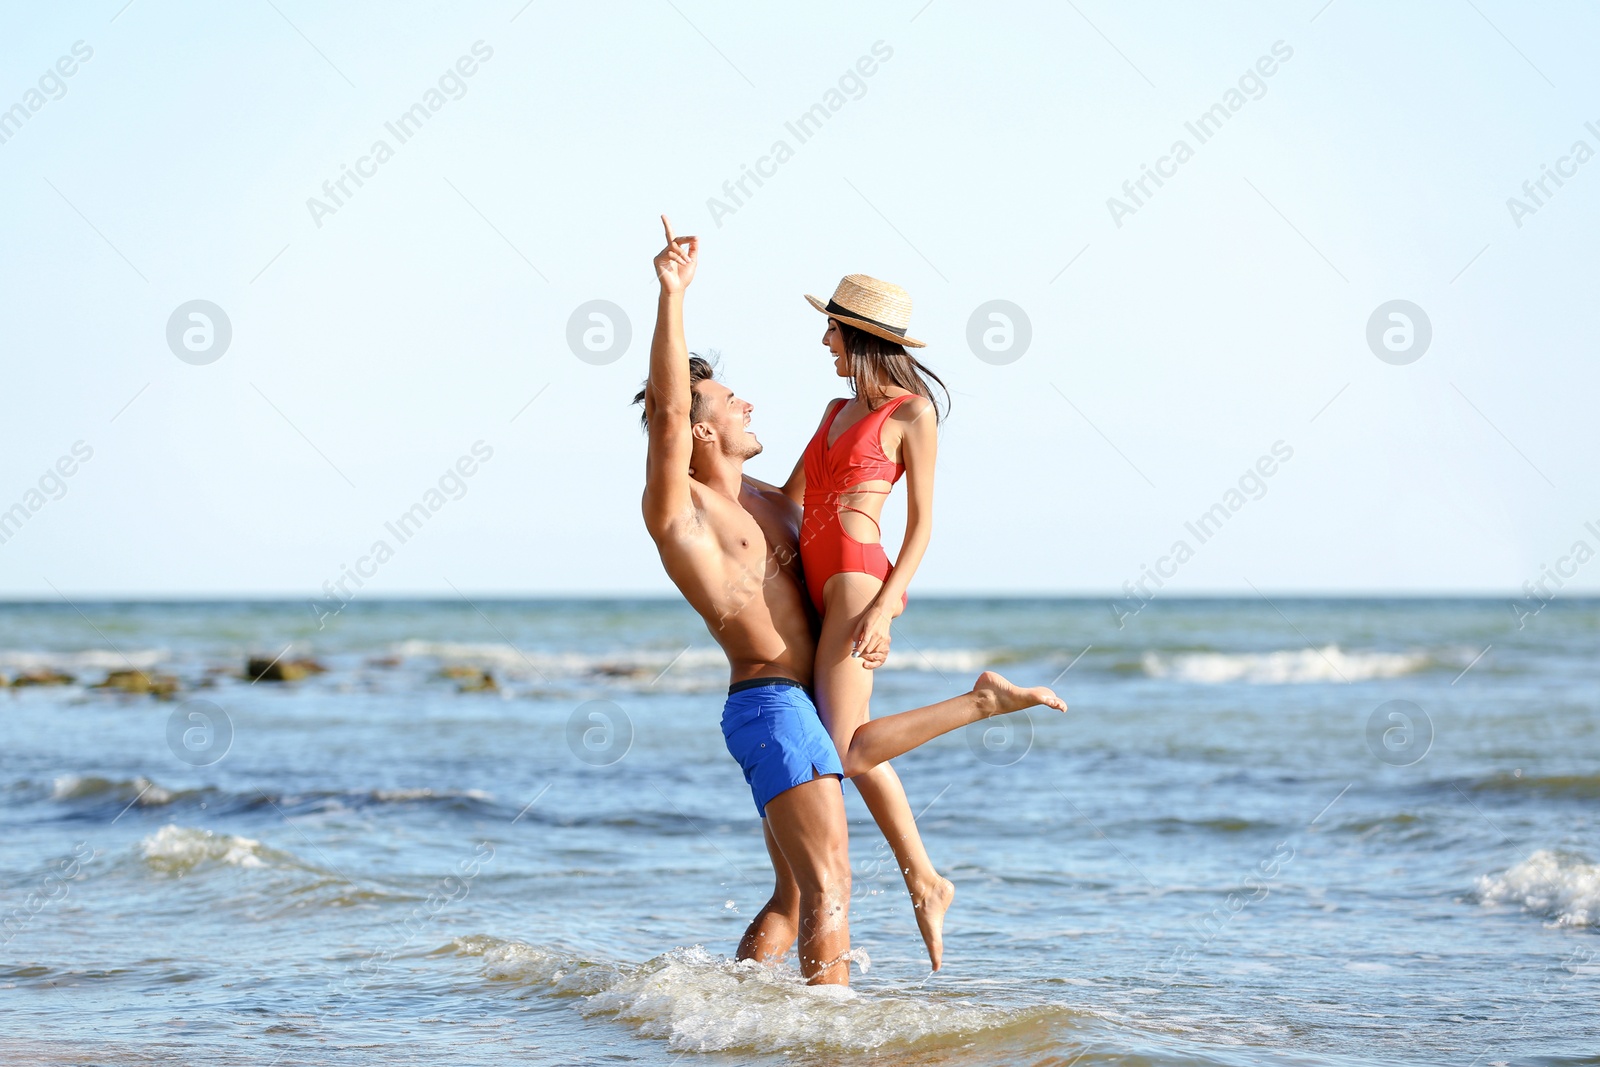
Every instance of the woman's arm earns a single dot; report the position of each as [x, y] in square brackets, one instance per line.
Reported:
[795, 487]
[919, 449]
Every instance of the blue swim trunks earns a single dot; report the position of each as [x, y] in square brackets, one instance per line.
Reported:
[773, 731]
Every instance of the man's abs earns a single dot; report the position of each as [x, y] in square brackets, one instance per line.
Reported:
[749, 595]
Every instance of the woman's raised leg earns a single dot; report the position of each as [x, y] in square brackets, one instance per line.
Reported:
[844, 695]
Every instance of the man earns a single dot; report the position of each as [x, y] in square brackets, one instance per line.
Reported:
[730, 544]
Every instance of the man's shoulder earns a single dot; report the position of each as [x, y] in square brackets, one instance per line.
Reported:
[707, 511]
[674, 527]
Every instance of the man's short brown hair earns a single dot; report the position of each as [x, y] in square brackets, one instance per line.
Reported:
[700, 370]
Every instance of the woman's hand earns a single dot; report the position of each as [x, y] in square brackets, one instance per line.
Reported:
[871, 640]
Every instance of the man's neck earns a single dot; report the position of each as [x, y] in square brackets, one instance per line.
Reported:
[724, 475]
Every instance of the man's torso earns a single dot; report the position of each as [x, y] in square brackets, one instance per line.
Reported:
[738, 565]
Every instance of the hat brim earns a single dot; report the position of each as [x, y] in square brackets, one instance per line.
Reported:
[863, 325]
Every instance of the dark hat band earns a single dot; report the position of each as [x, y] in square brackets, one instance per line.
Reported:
[835, 309]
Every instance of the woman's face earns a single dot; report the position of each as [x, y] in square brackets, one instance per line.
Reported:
[833, 338]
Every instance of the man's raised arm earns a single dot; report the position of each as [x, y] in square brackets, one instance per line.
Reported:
[668, 397]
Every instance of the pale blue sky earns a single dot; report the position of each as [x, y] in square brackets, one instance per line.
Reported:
[1228, 313]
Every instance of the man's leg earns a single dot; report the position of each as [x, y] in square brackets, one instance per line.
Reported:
[880, 740]
[808, 824]
[773, 930]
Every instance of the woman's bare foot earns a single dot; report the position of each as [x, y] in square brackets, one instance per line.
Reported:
[930, 907]
[1000, 696]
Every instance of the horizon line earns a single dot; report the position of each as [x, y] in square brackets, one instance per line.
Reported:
[439, 597]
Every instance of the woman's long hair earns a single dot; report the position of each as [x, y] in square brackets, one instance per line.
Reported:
[875, 361]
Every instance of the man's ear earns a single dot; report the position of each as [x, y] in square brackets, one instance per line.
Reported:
[702, 431]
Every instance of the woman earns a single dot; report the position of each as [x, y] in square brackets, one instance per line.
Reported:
[863, 446]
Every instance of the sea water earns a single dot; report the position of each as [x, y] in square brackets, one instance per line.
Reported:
[490, 832]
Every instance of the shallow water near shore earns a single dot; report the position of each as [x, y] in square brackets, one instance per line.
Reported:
[1305, 831]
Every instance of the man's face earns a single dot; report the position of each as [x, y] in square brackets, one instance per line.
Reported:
[728, 420]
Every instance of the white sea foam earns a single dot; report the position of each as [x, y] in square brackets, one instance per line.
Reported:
[514, 662]
[81, 787]
[1561, 887]
[705, 1003]
[1297, 666]
[674, 668]
[955, 660]
[179, 849]
[401, 796]
[19, 660]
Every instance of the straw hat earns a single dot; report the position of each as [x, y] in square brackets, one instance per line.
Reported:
[879, 308]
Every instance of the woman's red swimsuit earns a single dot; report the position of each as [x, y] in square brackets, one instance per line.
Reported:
[834, 471]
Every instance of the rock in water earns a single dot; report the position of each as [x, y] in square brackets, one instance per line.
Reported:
[43, 676]
[483, 683]
[471, 679]
[133, 681]
[262, 669]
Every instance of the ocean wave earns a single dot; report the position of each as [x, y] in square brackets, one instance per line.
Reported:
[514, 662]
[475, 802]
[692, 670]
[516, 961]
[69, 787]
[279, 883]
[407, 796]
[699, 1002]
[92, 789]
[1573, 786]
[1287, 667]
[181, 849]
[1560, 886]
[20, 660]
[695, 668]
[1396, 826]
[1172, 824]
[955, 660]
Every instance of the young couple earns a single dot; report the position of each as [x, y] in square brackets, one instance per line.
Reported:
[794, 586]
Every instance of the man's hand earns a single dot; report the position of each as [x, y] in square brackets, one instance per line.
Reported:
[675, 263]
[669, 397]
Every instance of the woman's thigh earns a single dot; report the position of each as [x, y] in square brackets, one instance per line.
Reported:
[843, 685]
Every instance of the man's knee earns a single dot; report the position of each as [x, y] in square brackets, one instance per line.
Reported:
[829, 879]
